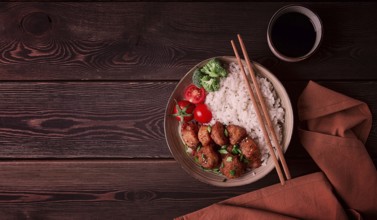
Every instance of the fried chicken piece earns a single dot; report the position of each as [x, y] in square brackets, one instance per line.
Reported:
[218, 135]
[236, 133]
[231, 166]
[255, 162]
[249, 148]
[251, 152]
[189, 133]
[204, 136]
[208, 157]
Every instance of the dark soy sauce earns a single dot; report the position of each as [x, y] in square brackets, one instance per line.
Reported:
[293, 34]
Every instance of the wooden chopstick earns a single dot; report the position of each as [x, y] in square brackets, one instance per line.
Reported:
[264, 109]
[259, 116]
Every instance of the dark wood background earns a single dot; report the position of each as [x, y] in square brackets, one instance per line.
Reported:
[83, 89]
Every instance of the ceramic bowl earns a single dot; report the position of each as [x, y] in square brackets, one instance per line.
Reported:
[178, 150]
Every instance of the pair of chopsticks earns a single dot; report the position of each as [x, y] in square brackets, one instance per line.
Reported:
[263, 116]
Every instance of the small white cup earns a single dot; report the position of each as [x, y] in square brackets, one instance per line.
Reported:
[317, 24]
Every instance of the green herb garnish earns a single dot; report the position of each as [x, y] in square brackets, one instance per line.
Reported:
[198, 148]
[232, 172]
[203, 157]
[216, 170]
[236, 149]
[244, 159]
[223, 151]
[196, 159]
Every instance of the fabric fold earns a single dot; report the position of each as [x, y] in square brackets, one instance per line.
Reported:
[306, 197]
[335, 140]
[329, 112]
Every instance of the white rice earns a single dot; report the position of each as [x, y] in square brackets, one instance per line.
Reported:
[232, 104]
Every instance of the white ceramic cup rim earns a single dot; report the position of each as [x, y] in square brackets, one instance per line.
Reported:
[317, 24]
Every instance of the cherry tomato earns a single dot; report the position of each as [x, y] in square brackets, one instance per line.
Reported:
[202, 114]
[194, 94]
[183, 110]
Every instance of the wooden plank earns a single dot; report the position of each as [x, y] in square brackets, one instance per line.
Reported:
[156, 41]
[113, 119]
[59, 120]
[157, 189]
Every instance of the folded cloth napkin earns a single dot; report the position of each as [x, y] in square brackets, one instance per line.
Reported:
[333, 129]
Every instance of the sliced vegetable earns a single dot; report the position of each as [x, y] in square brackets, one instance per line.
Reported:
[194, 94]
[223, 151]
[209, 129]
[243, 159]
[226, 133]
[202, 114]
[216, 170]
[183, 110]
[198, 148]
[232, 172]
[204, 157]
[196, 159]
[236, 149]
[229, 159]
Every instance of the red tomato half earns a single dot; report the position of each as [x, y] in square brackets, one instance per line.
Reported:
[194, 94]
[202, 114]
[183, 111]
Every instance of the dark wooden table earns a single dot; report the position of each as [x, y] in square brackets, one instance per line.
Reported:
[84, 87]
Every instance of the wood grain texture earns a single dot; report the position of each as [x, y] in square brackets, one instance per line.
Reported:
[113, 119]
[83, 90]
[158, 41]
[59, 120]
[157, 189]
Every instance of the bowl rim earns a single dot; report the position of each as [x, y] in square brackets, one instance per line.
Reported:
[314, 18]
[286, 138]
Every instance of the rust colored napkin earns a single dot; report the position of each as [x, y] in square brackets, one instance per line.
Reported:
[333, 130]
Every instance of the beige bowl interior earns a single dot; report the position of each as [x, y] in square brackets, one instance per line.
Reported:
[177, 148]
